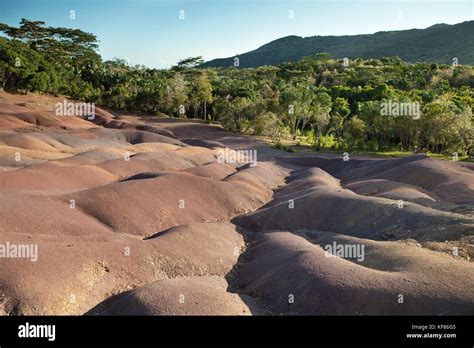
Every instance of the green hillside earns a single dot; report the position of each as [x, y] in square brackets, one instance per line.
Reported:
[439, 43]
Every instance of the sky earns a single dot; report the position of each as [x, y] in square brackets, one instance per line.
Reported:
[158, 33]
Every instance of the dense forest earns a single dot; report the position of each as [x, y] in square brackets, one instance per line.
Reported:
[329, 103]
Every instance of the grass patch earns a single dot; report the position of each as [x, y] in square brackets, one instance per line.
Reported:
[280, 146]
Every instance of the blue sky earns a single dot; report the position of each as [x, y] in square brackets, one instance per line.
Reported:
[150, 32]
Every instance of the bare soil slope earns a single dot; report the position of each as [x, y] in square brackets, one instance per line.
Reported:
[135, 214]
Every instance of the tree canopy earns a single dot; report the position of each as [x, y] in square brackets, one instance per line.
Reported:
[331, 103]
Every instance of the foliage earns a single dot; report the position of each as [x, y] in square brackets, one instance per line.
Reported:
[330, 103]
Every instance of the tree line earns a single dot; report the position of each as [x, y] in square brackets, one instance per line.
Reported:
[329, 103]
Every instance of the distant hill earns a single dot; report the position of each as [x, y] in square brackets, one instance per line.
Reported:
[439, 43]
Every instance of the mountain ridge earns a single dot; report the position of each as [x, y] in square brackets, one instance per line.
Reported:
[439, 43]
